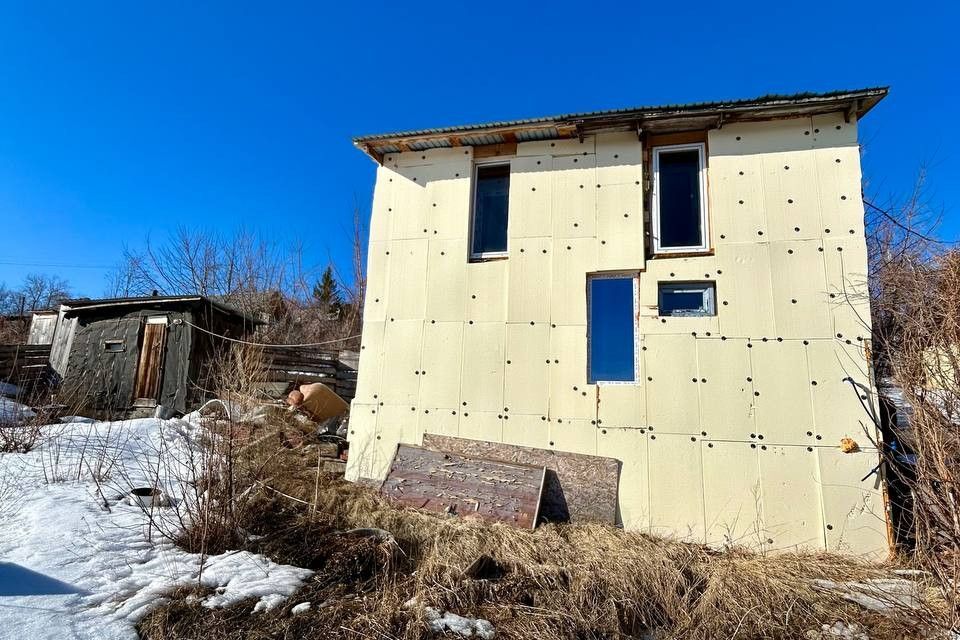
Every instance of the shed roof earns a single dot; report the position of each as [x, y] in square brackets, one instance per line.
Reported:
[84, 304]
[671, 117]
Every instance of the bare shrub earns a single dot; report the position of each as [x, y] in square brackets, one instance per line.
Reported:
[233, 458]
[19, 436]
[915, 292]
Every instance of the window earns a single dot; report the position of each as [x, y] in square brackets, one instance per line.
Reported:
[113, 346]
[611, 329]
[687, 299]
[490, 196]
[679, 199]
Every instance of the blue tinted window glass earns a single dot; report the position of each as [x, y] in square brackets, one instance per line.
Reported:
[490, 209]
[612, 326]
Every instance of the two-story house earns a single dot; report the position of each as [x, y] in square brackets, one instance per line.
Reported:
[680, 288]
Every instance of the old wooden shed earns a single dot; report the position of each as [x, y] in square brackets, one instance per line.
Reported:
[131, 354]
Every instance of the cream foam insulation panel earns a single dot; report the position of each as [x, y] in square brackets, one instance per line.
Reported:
[731, 433]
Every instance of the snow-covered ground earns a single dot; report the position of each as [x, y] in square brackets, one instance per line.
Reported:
[77, 560]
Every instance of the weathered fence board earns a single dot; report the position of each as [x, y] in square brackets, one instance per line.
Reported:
[24, 364]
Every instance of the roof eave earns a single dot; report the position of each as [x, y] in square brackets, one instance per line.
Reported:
[664, 119]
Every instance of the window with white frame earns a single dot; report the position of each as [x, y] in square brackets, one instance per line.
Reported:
[679, 199]
[491, 194]
[687, 299]
[611, 328]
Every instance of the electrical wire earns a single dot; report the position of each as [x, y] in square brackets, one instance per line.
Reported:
[902, 226]
[264, 344]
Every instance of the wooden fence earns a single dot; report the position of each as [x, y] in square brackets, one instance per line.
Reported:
[303, 365]
[25, 365]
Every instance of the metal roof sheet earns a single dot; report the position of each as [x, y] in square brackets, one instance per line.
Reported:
[761, 102]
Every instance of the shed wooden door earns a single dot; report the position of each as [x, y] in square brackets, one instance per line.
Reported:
[146, 387]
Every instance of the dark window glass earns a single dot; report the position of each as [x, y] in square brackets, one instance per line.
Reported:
[490, 209]
[611, 330]
[679, 194]
[687, 300]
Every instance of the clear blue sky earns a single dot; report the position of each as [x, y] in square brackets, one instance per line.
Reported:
[127, 118]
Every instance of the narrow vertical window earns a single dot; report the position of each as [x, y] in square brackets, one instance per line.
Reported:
[490, 198]
[611, 330]
[679, 199]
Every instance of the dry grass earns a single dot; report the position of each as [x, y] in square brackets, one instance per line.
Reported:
[559, 581]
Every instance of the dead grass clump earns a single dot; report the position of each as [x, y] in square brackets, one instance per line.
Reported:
[560, 581]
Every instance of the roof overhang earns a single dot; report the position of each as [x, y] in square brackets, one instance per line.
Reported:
[81, 305]
[661, 119]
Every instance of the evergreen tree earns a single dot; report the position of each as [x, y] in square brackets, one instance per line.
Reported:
[326, 292]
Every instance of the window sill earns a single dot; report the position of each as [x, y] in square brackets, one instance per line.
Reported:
[488, 257]
[691, 253]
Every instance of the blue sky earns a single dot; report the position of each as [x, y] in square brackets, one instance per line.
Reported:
[119, 120]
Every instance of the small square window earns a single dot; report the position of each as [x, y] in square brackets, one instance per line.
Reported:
[113, 346]
[687, 299]
[679, 199]
[491, 196]
[612, 329]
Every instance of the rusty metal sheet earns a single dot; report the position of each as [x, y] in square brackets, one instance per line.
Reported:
[465, 486]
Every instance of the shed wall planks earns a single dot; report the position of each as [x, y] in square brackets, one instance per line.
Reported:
[724, 437]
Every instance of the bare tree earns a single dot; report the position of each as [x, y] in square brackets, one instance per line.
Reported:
[240, 269]
[256, 275]
[40, 291]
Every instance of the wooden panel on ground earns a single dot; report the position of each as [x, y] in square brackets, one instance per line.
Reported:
[579, 487]
[463, 485]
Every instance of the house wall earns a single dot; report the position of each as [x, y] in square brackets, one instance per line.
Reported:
[732, 433]
[103, 380]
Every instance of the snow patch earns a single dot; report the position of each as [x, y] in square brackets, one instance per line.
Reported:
[303, 607]
[107, 560]
[459, 625]
[13, 412]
